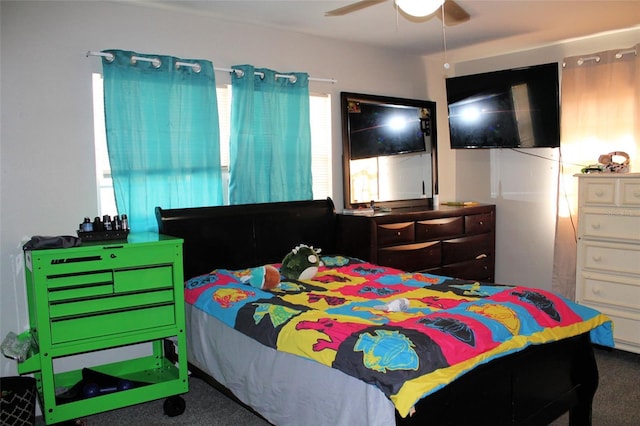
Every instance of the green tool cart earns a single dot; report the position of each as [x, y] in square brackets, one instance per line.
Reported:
[105, 295]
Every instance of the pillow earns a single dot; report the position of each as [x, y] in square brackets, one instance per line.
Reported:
[264, 277]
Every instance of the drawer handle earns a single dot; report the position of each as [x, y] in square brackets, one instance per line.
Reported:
[595, 290]
[398, 233]
[636, 194]
[597, 259]
[595, 225]
[75, 259]
[481, 223]
[599, 193]
[481, 256]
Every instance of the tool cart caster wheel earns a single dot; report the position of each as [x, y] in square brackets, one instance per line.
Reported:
[174, 406]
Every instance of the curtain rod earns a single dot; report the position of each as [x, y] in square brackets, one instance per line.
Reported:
[596, 58]
[196, 67]
[621, 53]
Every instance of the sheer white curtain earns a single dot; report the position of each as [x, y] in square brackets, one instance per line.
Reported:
[600, 98]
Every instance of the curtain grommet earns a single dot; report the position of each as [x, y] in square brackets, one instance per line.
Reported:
[155, 62]
[196, 67]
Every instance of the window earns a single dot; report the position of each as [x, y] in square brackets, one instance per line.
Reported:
[106, 199]
[320, 109]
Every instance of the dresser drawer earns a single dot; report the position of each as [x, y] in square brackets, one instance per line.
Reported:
[396, 233]
[411, 257]
[79, 286]
[80, 292]
[137, 279]
[79, 280]
[132, 256]
[614, 224]
[626, 330]
[611, 290]
[90, 259]
[467, 248]
[599, 191]
[477, 269]
[478, 223]
[76, 286]
[616, 258]
[69, 262]
[112, 323]
[438, 228]
[630, 193]
[59, 310]
[411, 239]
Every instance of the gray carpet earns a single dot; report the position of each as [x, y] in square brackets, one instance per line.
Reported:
[617, 402]
[205, 406]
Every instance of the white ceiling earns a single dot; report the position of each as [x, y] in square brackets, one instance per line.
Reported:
[495, 27]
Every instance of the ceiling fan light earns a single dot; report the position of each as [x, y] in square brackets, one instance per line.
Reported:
[419, 8]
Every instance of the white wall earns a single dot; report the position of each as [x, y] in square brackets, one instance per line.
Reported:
[522, 186]
[46, 152]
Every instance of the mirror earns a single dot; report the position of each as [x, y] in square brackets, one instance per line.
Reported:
[389, 151]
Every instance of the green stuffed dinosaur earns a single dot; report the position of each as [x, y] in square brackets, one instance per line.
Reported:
[301, 263]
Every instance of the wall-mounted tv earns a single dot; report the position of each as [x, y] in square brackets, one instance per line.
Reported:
[379, 125]
[514, 108]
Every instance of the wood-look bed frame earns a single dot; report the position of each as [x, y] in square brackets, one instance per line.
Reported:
[531, 387]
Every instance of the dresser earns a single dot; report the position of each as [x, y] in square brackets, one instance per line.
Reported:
[608, 255]
[451, 241]
[100, 296]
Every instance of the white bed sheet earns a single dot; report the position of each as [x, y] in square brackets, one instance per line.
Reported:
[284, 388]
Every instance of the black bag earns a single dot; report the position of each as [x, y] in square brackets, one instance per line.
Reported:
[63, 241]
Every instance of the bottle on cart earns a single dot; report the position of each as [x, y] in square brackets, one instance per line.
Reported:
[106, 220]
[125, 222]
[87, 226]
[116, 225]
[97, 225]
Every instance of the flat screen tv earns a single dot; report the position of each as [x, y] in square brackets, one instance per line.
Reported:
[379, 125]
[515, 108]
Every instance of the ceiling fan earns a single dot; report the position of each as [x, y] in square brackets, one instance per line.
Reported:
[453, 13]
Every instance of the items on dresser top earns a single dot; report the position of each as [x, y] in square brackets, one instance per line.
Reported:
[105, 228]
[608, 258]
[38, 242]
[451, 240]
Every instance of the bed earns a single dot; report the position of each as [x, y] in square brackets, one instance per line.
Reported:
[522, 380]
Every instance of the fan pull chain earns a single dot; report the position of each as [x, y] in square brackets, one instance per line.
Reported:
[444, 39]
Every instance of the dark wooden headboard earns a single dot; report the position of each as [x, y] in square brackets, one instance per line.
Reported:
[241, 236]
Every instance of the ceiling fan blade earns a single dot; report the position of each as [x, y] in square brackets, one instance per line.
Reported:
[352, 7]
[453, 13]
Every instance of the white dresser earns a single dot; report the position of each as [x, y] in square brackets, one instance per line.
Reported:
[608, 263]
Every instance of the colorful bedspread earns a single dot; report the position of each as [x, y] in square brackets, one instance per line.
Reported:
[409, 334]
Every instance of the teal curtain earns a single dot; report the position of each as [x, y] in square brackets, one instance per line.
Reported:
[270, 146]
[162, 135]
